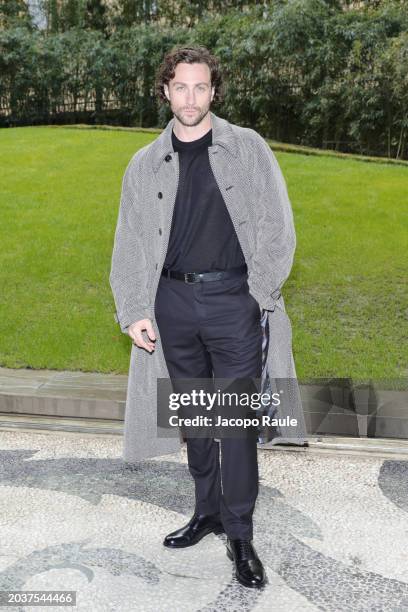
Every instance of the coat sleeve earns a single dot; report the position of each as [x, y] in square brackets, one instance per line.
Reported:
[275, 232]
[129, 273]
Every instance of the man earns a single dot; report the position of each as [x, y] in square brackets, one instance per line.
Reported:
[205, 265]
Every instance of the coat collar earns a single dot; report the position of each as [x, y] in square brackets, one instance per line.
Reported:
[222, 134]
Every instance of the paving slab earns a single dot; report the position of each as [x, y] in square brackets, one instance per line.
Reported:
[331, 530]
[62, 393]
[333, 407]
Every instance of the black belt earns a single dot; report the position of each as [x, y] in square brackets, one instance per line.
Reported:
[196, 277]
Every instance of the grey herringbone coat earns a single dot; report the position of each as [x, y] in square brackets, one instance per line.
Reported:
[254, 190]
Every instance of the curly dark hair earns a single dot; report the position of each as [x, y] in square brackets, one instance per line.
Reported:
[189, 55]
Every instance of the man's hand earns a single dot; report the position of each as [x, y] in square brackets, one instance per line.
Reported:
[135, 332]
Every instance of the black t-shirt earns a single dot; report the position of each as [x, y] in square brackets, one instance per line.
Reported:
[202, 235]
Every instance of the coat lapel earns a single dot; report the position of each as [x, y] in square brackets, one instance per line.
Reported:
[222, 133]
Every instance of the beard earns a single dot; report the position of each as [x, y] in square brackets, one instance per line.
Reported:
[195, 118]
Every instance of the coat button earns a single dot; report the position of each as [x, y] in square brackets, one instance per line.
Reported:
[160, 195]
[160, 231]
[167, 158]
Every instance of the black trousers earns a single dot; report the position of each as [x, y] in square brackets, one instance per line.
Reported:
[214, 328]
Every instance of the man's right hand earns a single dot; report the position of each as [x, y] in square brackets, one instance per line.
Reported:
[135, 332]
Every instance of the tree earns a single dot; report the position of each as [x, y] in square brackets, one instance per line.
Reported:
[14, 13]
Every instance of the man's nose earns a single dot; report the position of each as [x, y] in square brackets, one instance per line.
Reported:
[190, 97]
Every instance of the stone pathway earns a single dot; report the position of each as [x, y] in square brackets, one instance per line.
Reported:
[331, 530]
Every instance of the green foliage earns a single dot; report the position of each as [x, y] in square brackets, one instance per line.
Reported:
[305, 72]
[14, 13]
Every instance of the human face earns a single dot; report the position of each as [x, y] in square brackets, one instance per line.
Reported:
[190, 92]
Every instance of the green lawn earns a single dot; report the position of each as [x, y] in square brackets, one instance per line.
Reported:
[59, 199]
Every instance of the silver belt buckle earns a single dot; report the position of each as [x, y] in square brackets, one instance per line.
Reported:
[186, 277]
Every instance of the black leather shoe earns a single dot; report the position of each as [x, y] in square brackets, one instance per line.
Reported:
[249, 570]
[198, 526]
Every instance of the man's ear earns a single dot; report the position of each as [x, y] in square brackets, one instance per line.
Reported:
[213, 93]
[166, 91]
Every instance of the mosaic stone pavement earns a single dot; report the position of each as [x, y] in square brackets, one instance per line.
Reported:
[331, 530]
